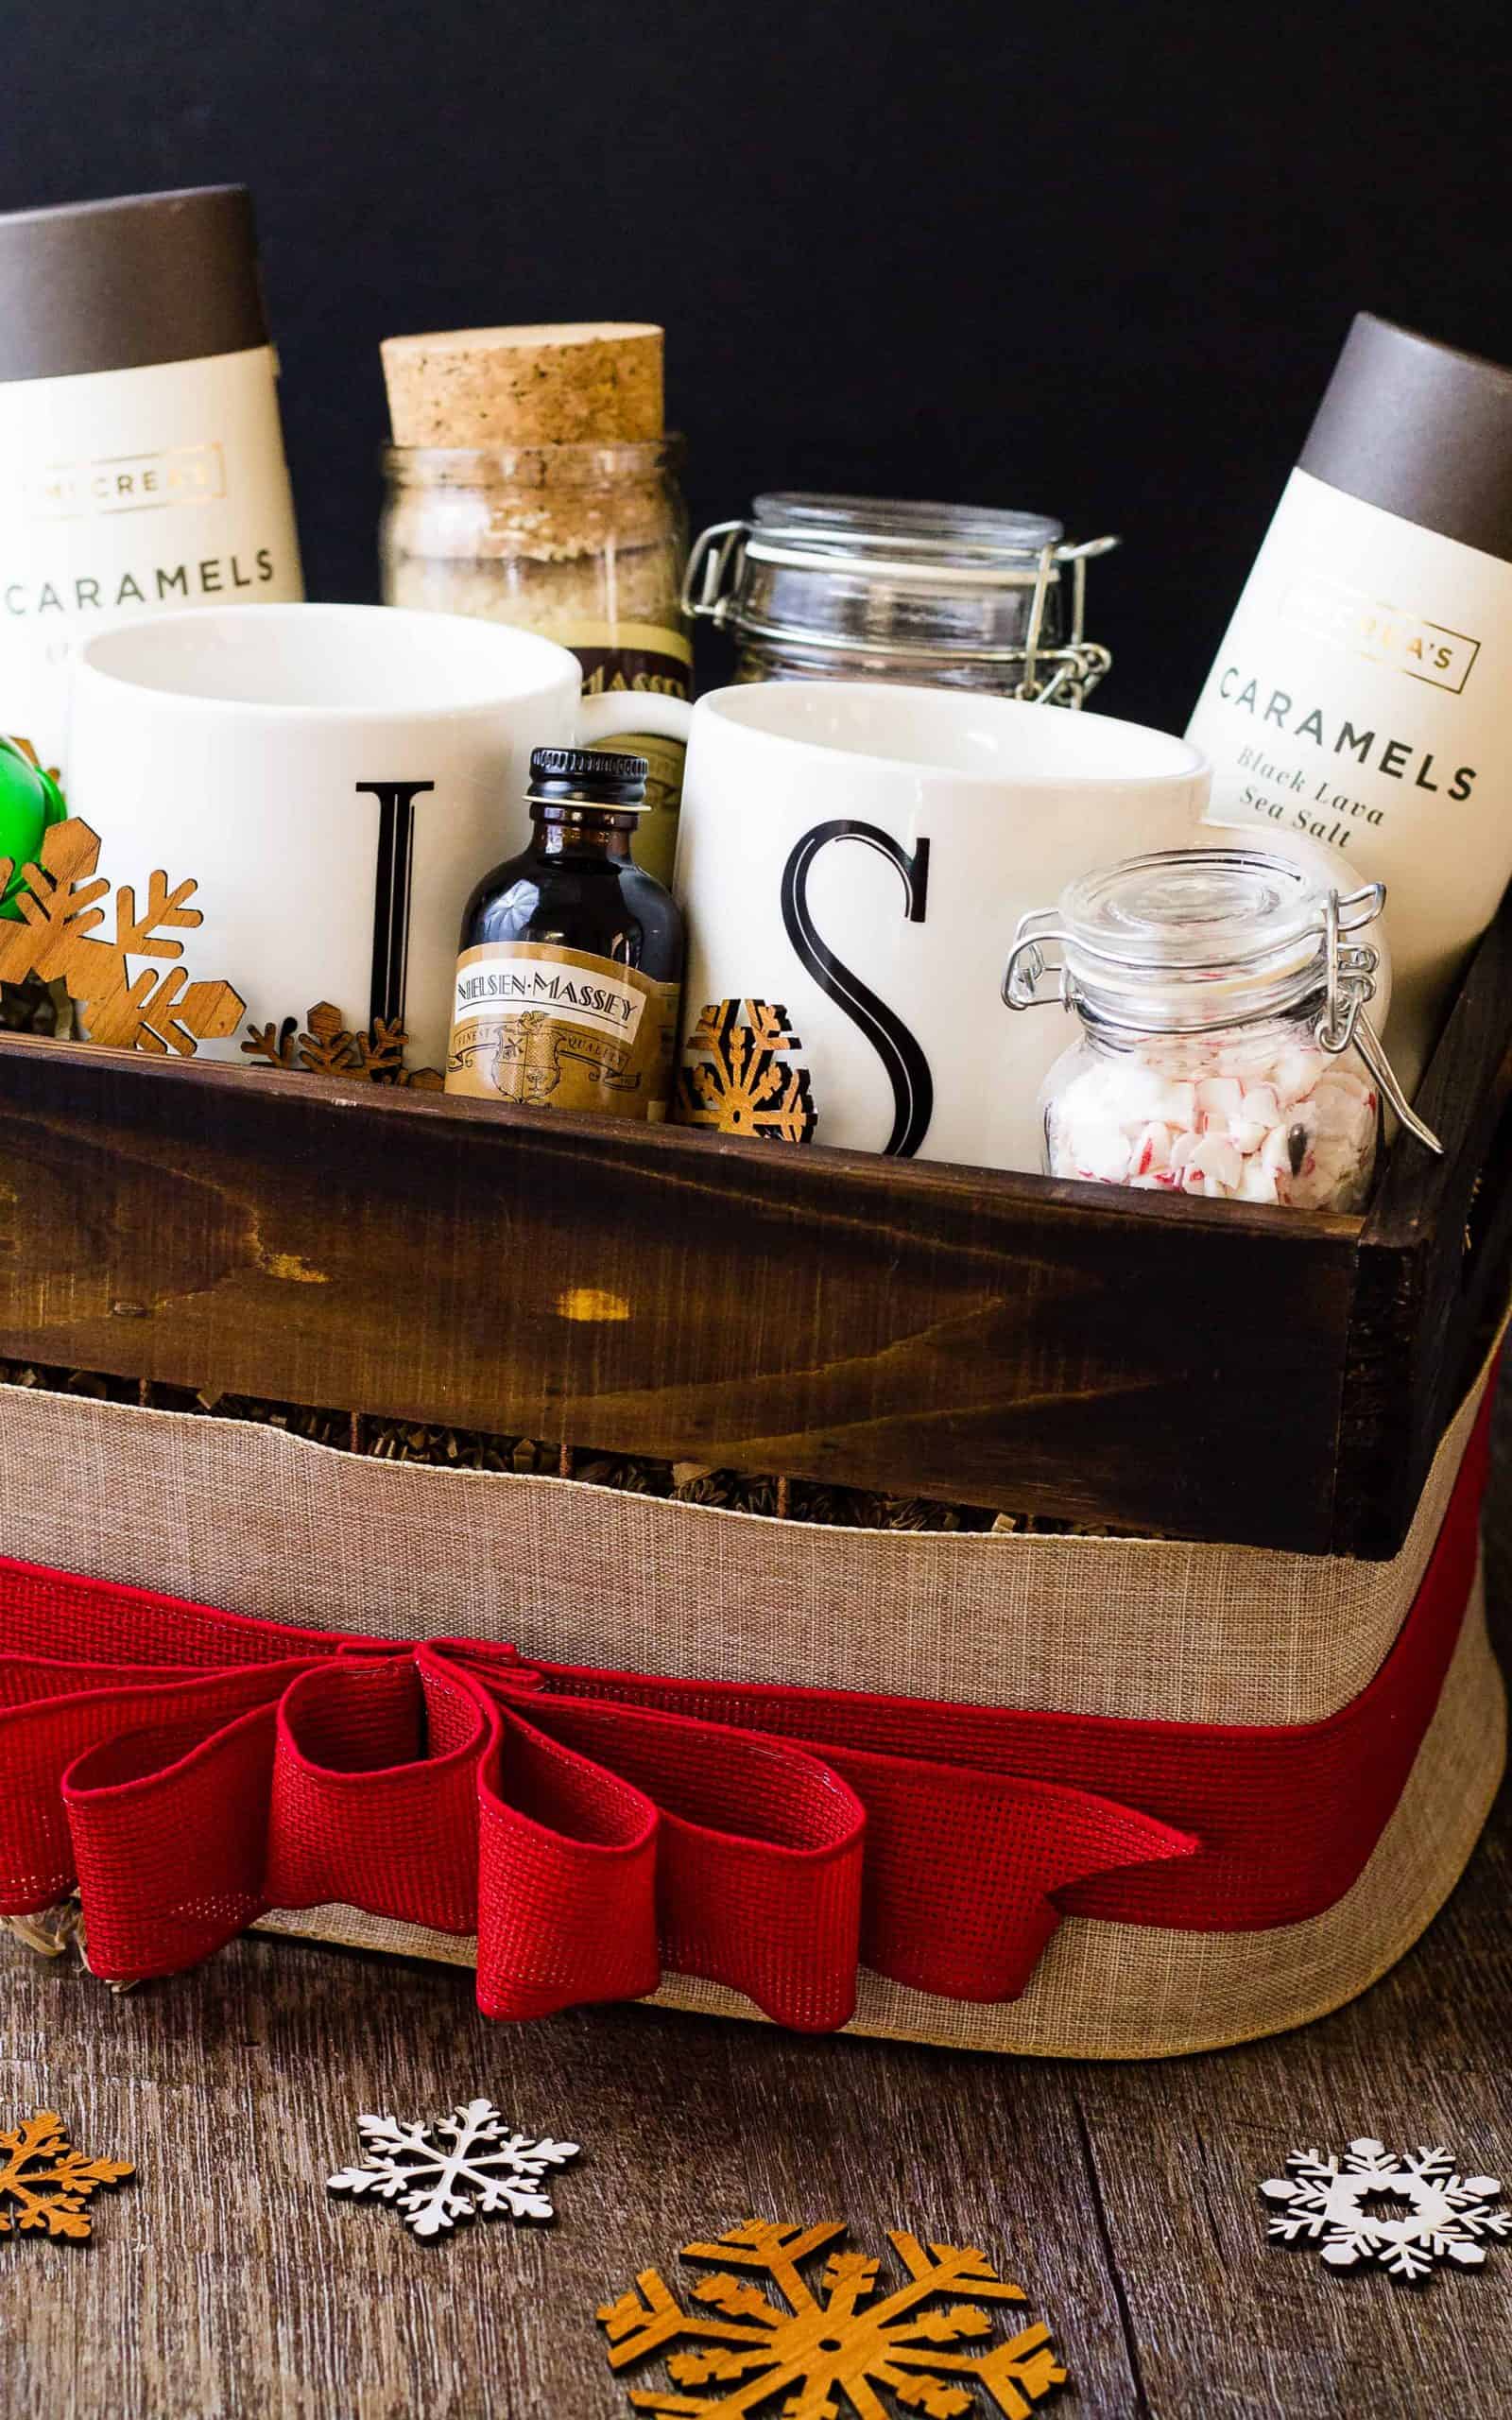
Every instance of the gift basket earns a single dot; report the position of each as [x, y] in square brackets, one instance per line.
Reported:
[583, 1394]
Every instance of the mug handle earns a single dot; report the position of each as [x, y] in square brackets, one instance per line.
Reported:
[603, 717]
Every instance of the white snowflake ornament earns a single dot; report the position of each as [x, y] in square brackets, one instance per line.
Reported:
[466, 2166]
[1405, 2213]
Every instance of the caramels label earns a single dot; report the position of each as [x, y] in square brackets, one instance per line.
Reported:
[1361, 701]
[543, 1027]
[127, 492]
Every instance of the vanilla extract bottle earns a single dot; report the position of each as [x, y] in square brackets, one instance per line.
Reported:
[571, 956]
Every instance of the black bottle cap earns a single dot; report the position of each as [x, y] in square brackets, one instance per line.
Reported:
[1421, 431]
[588, 777]
[121, 284]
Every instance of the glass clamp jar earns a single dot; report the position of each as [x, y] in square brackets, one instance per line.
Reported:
[831, 587]
[1224, 1048]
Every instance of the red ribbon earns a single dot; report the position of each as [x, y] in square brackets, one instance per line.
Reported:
[189, 1768]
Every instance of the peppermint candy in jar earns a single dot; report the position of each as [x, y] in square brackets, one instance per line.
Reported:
[1224, 1047]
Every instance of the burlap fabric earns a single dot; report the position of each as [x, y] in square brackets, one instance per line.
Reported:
[226, 1513]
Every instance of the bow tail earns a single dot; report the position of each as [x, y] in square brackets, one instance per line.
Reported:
[962, 1868]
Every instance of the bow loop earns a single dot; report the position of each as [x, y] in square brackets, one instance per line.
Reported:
[161, 1782]
[373, 1753]
[167, 1830]
[567, 1879]
[758, 1868]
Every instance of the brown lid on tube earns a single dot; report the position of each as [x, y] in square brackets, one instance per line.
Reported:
[151, 277]
[1421, 431]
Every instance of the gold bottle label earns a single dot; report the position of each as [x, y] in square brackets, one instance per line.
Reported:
[638, 659]
[543, 1027]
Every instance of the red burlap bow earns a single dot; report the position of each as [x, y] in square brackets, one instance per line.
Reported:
[189, 1768]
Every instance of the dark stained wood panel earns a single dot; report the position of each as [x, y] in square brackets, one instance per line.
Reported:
[1204, 1368]
[1434, 1259]
[981, 1338]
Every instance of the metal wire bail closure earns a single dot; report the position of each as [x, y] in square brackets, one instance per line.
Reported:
[1349, 984]
[1348, 973]
[1028, 966]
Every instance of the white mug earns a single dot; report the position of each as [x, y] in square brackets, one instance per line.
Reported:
[336, 778]
[860, 854]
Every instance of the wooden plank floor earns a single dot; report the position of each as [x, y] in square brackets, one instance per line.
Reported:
[226, 2282]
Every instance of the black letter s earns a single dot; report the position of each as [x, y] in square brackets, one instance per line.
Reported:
[912, 1089]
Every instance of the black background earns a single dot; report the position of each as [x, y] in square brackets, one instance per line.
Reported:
[1091, 261]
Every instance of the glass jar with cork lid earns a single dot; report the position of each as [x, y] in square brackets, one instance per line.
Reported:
[531, 480]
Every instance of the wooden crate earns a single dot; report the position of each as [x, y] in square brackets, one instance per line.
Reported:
[1213, 1369]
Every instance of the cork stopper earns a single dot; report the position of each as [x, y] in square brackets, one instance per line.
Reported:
[594, 382]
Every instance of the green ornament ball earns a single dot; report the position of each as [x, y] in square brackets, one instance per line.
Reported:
[30, 801]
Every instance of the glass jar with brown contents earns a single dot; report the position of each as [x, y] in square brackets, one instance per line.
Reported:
[531, 480]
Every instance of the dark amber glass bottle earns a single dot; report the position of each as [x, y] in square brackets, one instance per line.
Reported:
[571, 956]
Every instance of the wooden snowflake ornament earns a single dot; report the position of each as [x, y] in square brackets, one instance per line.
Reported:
[55, 936]
[741, 1078]
[1405, 2213]
[466, 2166]
[329, 1046]
[834, 2350]
[44, 2183]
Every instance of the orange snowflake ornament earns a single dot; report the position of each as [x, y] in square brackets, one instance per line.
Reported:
[44, 2183]
[330, 1046]
[740, 1076]
[56, 938]
[831, 2349]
